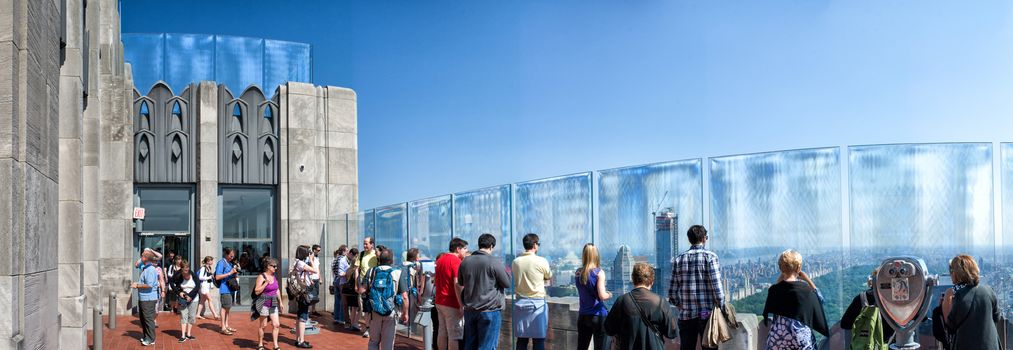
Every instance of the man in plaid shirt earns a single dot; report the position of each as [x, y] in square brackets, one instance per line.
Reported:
[695, 288]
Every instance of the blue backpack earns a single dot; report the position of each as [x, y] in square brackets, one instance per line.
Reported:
[382, 294]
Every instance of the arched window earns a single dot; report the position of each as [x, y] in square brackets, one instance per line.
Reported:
[177, 117]
[145, 116]
[237, 118]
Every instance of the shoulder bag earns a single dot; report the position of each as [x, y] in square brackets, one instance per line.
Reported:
[647, 321]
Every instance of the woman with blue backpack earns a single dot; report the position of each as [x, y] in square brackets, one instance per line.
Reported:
[386, 289]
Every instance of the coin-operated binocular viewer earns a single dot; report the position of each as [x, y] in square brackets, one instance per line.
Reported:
[902, 288]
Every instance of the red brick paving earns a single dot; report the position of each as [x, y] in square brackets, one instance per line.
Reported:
[128, 331]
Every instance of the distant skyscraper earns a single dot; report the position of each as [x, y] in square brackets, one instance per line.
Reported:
[622, 267]
[666, 246]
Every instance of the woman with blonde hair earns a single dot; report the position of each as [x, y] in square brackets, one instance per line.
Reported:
[970, 310]
[796, 305]
[590, 282]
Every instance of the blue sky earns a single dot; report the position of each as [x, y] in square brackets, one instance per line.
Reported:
[460, 95]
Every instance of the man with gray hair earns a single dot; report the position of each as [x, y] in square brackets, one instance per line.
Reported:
[147, 295]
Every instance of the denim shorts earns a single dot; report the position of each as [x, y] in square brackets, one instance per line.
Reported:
[303, 310]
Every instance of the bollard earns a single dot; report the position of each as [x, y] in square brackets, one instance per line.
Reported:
[96, 326]
[112, 313]
[427, 337]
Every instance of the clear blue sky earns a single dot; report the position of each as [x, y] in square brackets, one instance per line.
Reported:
[456, 95]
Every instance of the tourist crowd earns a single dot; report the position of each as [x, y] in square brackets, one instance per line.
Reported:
[465, 294]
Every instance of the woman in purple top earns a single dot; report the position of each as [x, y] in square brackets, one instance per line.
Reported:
[590, 282]
[267, 300]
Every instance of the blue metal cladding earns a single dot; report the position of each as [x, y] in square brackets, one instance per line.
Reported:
[237, 62]
[429, 226]
[146, 55]
[286, 61]
[197, 64]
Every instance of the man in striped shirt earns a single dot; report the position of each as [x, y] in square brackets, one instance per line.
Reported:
[695, 288]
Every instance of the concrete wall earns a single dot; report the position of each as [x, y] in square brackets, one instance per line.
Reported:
[319, 179]
[29, 174]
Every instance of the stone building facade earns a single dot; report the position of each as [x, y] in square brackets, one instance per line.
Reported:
[81, 147]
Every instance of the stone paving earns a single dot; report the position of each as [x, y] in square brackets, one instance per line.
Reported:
[128, 331]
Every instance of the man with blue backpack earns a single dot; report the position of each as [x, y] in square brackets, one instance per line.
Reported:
[387, 292]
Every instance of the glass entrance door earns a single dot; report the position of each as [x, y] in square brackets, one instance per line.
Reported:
[167, 245]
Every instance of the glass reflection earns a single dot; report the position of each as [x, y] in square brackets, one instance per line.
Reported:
[391, 230]
[361, 227]
[628, 201]
[430, 225]
[929, 200]
[167, 209]
[558, 210]
[1002, 281]
[762, 204]
[481, 211]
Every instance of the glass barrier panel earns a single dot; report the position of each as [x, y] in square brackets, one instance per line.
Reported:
[1003, 280]
[629, 202]
[430, 226]
[933, 201]
[481, 211]
[763, 204]
[558, 210]
[391, 230]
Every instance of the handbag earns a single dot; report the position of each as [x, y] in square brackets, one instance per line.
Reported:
[296, 287]
[719, 326]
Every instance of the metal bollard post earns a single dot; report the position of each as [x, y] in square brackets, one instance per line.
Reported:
[112, 312]
[96, 326]
[427, 337]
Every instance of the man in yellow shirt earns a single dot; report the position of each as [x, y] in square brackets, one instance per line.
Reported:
[366, 261]
[530, 313]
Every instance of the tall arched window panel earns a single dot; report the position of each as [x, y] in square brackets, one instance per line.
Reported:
[164, 141]
[249, 133]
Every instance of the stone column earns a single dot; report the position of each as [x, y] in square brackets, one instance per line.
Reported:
[303, 168]
[73, 334]
[115, 155]
[319, 177]
[90, 247]
[29, 153]
[208, 240]
[342, 150]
